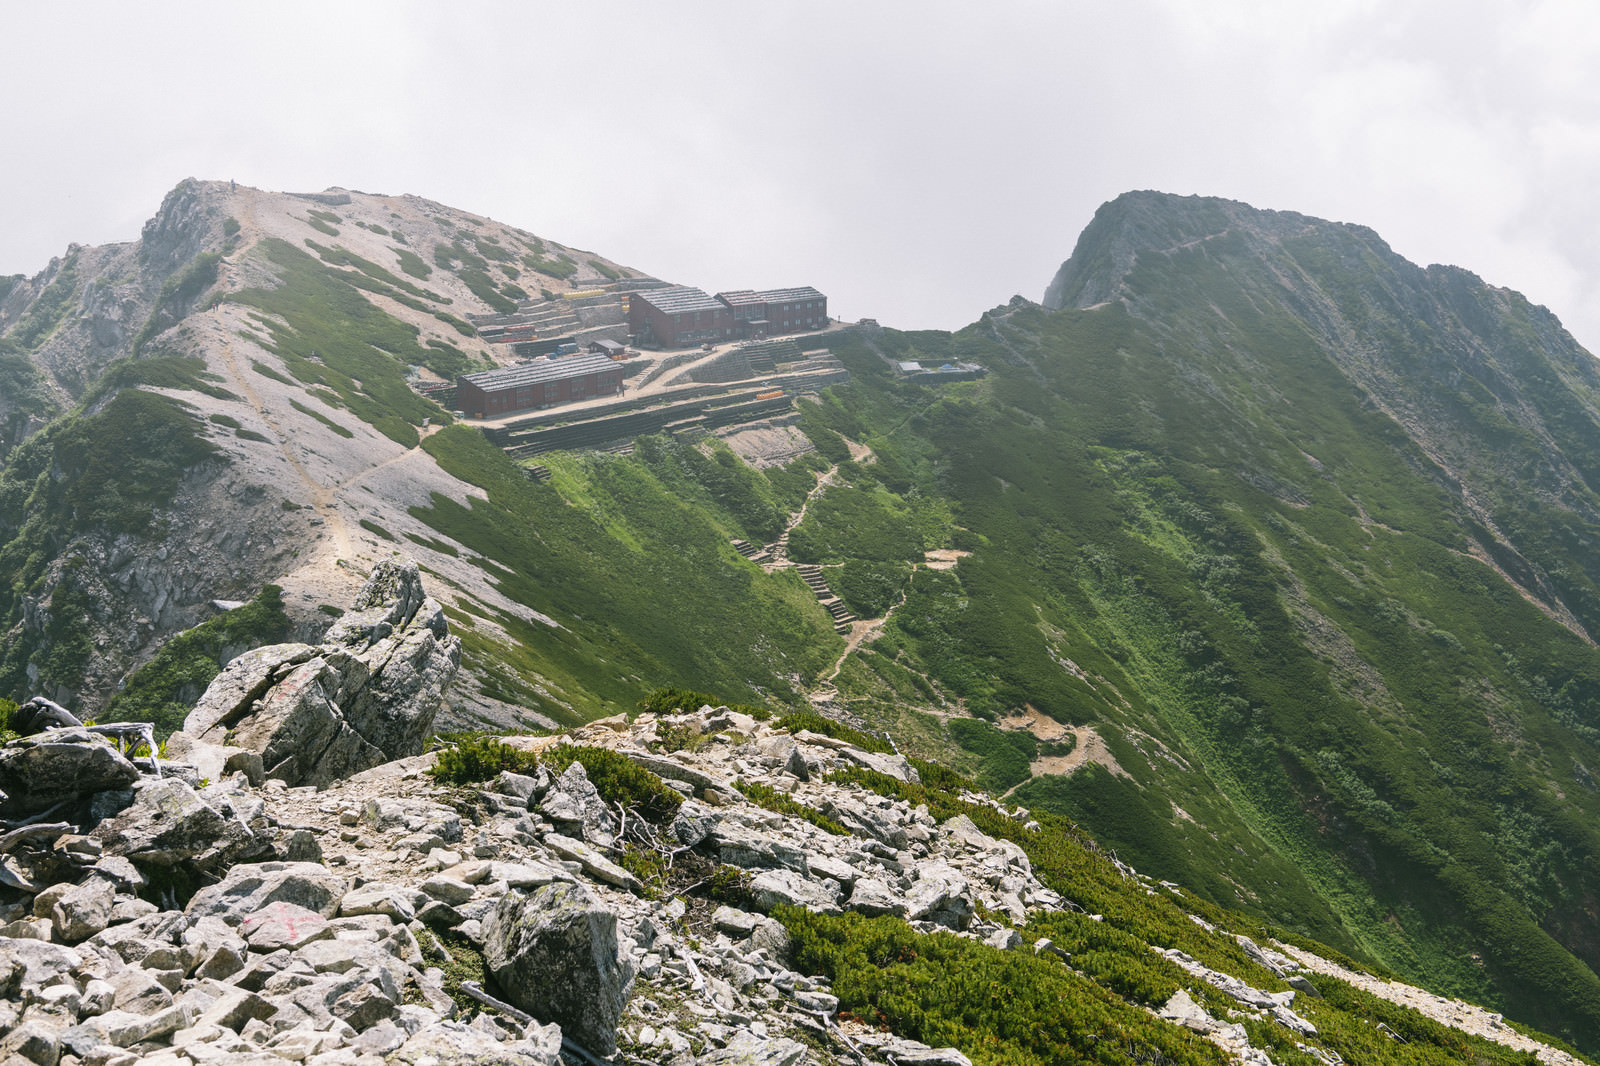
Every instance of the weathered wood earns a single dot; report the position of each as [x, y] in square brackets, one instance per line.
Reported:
[28, 832]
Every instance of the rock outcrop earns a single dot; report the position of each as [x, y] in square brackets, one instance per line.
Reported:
[367, 695]
[562, 929]
[463, 924]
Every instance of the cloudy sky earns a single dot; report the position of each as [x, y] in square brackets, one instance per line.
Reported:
[919, 162]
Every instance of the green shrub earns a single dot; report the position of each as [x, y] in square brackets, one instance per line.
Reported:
[484, 288]
[163, 690]
[411, 263]
[324, 419]
[45, 313]
[618, 779]
[996, 1006]
[685, 701]
[466, 329]
[730, 885]
[475, 759]
[161, 372]
[869, 587]
[461, 961]
[554, 268]
[1006, 753]
[372, 527]
[331, 336]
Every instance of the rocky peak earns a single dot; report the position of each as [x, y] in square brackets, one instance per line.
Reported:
[1149, 222]
[368, 694]
[188, 223]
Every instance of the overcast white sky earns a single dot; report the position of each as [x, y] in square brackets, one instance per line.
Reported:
[918, 162]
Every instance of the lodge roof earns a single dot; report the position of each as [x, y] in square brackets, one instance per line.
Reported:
[678, 299]
[540, 371]
[804, 292]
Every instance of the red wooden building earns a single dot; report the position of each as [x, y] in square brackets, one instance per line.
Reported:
[679, 317]
[776, 311]
[543, 383]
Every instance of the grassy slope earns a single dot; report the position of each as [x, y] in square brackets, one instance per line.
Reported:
[1150, 519]
[631, 556]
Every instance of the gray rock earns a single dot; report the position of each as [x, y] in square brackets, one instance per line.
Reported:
[556, 955]
[739, 844]
[215, 947]
[693, 823]
[769, 888]
[301, 845]
[395, 901]
[40, 771]
[522, 786]
[574, 805]
[168, 823]
[83, 910]
[249, 887]
[872, 896]
[1301, 983]
[941, 895]
[447, 889]
[796, 764]
[454, 1044]
[31, 1042]
[368, 695]
[594, 864]
[837, 869]
[914, 1053]
[124, 1028]
[521, 874]
[746, 1049]
[213, 762]
[735, 922]
[281, 924]
[137, 992]
[36, 963]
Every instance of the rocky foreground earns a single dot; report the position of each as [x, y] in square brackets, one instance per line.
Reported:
[293, 884]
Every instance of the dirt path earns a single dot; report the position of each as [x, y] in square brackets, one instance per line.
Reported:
[823, 481]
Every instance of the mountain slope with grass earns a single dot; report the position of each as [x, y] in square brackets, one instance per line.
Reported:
[1257, 551]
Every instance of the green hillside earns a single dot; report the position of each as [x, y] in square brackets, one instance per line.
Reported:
[1318, 629]
[1279, 543]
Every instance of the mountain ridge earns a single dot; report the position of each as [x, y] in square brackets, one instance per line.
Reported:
[1294, 530]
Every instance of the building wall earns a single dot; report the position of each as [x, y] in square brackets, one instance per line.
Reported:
[681, 329]
[797, 316]
[492, 403]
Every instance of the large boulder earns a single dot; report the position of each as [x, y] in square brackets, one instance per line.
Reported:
[556, 955]
[169, 823]
[367, 695]
[248, 888]
[40, 771]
